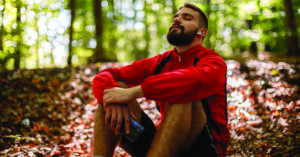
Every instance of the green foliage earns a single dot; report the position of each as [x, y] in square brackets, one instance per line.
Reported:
[133, 31]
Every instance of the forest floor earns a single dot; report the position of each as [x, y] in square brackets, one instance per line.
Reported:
[50, 112]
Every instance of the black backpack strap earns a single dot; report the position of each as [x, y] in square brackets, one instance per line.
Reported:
[160, 67]
[195, 61]
[162, 64]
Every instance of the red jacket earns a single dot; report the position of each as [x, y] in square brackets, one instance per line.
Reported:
[195, 74]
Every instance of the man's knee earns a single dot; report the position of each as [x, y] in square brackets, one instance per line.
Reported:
[191, 110]
[100, 112]
[195, 108]
[198, 111]
[184, 108]
[197, 124]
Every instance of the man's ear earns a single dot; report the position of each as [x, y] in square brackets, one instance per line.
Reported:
[202, 32]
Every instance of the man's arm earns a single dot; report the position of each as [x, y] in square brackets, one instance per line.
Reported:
[132, 75]
[121, 95]
[179, 86]
[190, 84]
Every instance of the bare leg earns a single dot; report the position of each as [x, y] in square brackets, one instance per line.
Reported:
[197, 125]
[182, 123]
[105, 140]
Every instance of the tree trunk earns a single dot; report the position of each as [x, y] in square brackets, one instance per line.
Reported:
[99, 54]
[2, 27]
[253, 46]
[291, 30]
[72, 4]
[113, 39]
[17, 56]
[37, 64]
[4, 59]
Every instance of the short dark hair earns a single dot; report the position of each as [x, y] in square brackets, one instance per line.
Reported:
[203, 18]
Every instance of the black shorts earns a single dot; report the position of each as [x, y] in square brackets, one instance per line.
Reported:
[204, 145]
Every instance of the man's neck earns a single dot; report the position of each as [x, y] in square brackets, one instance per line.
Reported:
[183, 48]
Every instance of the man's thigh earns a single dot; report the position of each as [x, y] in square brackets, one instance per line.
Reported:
[200, 134]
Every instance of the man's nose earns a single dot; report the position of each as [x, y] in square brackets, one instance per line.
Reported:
[177, 20]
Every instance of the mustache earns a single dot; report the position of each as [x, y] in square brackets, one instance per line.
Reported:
[176, 24]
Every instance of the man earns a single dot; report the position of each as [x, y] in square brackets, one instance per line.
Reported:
[189, 85]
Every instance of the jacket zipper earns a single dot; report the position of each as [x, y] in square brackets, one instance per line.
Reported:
[179, 57]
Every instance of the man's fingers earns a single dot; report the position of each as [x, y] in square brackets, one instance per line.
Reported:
[108, 116]
[119, 121]
[116, 116]
[106, 101]
[113, 120]
[105, 105]
[127, 120]
[106, 97]
[106, 91]
[133, 116]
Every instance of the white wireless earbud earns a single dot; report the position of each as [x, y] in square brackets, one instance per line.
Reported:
[199, 33]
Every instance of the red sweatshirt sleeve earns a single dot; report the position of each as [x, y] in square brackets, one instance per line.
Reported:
[132, 75]
[192, 83]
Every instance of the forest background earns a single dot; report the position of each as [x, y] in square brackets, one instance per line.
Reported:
[60, 33]
[50, 51]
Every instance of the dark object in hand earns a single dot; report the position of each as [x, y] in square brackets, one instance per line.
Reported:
[136, 130]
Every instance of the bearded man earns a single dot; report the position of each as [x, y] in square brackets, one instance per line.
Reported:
[189, 85]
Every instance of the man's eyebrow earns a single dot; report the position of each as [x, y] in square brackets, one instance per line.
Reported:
[183, 14]
[187, 14]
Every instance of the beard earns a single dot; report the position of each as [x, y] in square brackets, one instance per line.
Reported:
[182, 38]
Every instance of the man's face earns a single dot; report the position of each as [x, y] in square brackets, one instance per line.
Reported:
[184, 28]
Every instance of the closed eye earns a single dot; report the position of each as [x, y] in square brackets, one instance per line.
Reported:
[187, 16]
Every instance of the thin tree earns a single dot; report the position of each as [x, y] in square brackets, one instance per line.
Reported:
[253, 46]
[36, 18]
[113, 27]
[17, 55]
[72, 5]
[291, 30]
[2, 60]
[2, 26]
[99, 54]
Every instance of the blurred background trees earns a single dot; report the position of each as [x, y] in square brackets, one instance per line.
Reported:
[59, 33]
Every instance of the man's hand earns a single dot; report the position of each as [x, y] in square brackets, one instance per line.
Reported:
[115, 104]
[121, 95]
[115, 114]
[117, 95]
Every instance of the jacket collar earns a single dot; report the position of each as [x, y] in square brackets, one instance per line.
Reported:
[191, 50]
[186, 55]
